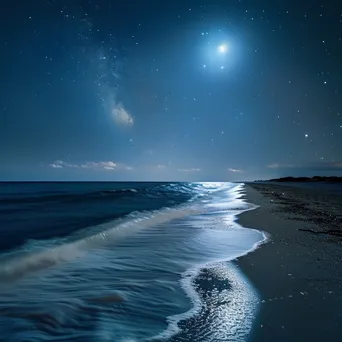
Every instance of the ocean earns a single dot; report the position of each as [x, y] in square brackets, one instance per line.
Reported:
[124, 262]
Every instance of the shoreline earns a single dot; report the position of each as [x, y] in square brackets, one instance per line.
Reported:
[205, 243]
[296, 272]
[217, 281]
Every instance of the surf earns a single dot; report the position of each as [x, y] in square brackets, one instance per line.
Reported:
[137, 277]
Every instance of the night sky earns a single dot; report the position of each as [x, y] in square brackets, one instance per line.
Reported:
[181, 90]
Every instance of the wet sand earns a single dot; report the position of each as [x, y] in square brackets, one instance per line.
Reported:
[298, 273]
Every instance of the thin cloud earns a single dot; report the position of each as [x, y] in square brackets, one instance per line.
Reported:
[59, 164]
[328, 166]
[281, 166]
[189, 170]
[332, 165]
[107, 165]
[273, 166]
[56, 166]
[161, 167]
[121, 116]
[235, 170]
[103, 165]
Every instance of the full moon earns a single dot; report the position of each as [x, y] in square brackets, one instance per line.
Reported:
[222, 48]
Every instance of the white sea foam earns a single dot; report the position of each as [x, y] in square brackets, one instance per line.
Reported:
[244, 300]
[17, 267]
[24, 264]
[211, 237]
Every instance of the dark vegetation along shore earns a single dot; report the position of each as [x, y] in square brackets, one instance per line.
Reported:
[298, 273]
[315, 179]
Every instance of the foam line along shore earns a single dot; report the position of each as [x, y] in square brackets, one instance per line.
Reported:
[156, 261]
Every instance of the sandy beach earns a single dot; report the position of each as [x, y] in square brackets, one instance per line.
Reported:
[298, 273]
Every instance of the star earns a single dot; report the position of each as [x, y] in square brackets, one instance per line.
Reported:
[231, 59]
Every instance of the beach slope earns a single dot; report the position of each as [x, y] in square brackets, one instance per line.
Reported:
[298, 273]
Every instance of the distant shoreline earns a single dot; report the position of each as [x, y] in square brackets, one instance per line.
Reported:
[315, 179]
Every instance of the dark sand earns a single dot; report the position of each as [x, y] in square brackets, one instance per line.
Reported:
[298, 274]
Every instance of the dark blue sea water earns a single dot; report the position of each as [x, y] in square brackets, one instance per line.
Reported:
[124, 262]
